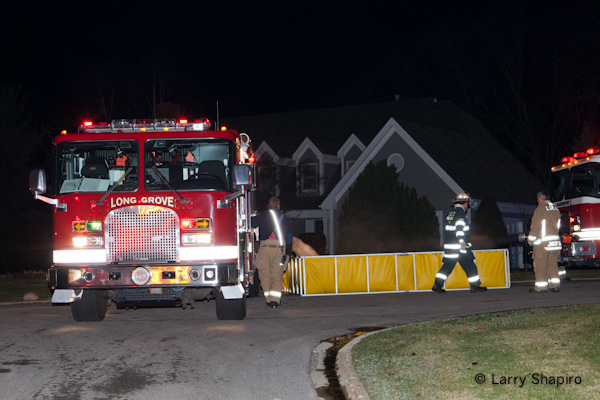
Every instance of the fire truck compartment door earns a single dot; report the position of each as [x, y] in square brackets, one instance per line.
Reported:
[584, 249]
[65, 296]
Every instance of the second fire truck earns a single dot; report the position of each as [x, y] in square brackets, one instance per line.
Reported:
[575, 190]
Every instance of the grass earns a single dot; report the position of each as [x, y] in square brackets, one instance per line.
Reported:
[521, 275]
[13, 287]
[441, 359]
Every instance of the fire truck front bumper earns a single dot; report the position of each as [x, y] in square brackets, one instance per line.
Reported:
[142, 276]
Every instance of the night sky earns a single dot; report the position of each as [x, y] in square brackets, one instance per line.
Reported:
[253, 57]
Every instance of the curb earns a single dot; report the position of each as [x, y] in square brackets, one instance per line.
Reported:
[351, 386]
[316, 369]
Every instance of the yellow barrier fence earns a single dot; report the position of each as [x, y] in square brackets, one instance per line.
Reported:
[388, 273]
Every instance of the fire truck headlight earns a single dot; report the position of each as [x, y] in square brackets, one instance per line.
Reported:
[209, 274]
[196, 238]
[80, 241]
[141, 276]
[88, 241]
[576, 228]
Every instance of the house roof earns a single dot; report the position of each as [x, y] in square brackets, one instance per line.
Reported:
[453, 138]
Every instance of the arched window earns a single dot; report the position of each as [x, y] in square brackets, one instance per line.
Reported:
[396, 160]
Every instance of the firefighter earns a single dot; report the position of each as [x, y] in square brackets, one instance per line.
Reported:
[174, 153]
[543, 234]
[457, 247]
[275, 235]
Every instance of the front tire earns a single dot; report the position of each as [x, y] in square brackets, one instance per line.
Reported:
[91, 307]
[230, 309]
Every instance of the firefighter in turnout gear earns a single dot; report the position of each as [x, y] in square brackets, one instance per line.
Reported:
[275, 235]
[457, 247]
[543, 235]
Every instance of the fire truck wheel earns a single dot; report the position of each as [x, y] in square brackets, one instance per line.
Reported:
[92, 306]
[230, 309]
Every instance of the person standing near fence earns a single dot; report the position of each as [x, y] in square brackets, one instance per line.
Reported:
[543, 234]
[275, 236]
[457, 247]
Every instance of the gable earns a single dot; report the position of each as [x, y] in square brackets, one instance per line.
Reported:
[393, 139]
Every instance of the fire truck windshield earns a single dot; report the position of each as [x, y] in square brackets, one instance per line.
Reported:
[188, 164]
[580, 180]
[95, 165]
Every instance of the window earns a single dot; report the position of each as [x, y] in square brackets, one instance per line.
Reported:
[349, 164]
[396, 160]
[188, 164]
[93, 166]
[309, 178]
[585, 181]
[267, 175]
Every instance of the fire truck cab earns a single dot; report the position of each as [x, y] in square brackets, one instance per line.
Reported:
[150, 214]
[575, 190]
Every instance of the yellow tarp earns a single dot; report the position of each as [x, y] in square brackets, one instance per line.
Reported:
[382, 273]
[406, 272]
[320, 275]
[352, 274]
[391, 272]
[427, 265]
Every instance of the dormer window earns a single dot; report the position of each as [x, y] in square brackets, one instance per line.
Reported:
[309, 173]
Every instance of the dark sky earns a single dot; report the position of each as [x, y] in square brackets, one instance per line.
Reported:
[252, 57]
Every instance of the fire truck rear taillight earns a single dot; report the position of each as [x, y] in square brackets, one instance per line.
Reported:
[87, 123]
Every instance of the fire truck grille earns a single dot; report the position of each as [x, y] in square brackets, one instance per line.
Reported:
[142, 234]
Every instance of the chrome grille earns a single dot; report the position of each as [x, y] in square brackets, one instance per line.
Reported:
[142, 234]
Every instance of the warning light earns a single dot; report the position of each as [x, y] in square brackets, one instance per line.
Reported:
[63, 132]
[579, 155]
[251, 159]
[591, 151]
[223, 128]
[87, 123]
[183, 121]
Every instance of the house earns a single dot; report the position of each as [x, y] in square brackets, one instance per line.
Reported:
[436, 147]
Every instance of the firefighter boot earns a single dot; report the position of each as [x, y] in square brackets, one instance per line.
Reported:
[477, 288]
[438, 286]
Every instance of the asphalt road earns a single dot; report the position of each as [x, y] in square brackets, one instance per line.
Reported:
[189, 354]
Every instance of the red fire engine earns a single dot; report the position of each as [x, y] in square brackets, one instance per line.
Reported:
[575, 190]
[150, 214]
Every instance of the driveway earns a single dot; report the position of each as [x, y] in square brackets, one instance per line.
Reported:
[189, 354]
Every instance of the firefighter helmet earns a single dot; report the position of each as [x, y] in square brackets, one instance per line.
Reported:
[462, 198]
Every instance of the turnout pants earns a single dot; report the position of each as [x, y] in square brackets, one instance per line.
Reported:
[467, 263]
[545, 267]
[270, 270]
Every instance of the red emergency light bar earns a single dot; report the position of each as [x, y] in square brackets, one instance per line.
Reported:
[567, 159]
[579, 155]
[145, 125]
[591, 151]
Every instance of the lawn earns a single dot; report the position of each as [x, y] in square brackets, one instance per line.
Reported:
[521, 275]
[525, 354]
[12, 288]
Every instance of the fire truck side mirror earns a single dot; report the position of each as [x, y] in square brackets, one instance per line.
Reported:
[242, 176]
[37, 181]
